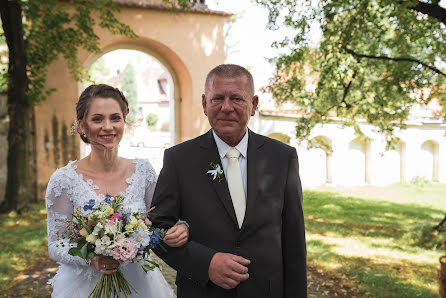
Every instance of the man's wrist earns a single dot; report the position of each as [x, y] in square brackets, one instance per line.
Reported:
[182, 222]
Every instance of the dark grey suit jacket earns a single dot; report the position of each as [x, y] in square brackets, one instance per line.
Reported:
[272, 235]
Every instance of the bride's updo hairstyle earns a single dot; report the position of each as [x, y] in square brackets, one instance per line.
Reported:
[99, 91]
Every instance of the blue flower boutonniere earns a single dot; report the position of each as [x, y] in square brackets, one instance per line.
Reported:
[216, 171]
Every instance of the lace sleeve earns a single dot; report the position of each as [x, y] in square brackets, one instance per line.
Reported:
[59, 208]
[150, 179]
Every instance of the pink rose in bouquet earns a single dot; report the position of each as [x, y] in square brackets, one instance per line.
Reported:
[115, 217]
[125, 250]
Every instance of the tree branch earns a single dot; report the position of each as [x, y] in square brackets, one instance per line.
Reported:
[431, 9]
[440, 227]
[398, 59]
[346, 89]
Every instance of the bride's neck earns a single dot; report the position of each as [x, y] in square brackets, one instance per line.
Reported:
[103, 160]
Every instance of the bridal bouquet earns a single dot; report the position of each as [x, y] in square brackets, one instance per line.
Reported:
[105, 229]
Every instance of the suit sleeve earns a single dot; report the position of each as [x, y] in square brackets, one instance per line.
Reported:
[192, 259]
[293, 234]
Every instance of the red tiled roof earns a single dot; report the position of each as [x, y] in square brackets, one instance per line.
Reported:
[282, 111]
[298, 114]
[159, 6]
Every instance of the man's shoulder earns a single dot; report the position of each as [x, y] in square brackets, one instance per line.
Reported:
[272, 143]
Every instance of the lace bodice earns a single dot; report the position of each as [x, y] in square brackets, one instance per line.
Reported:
[67, 190]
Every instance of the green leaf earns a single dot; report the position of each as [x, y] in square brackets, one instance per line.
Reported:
[75, 252]
[91, 255]
[84, 251]
[82, 223]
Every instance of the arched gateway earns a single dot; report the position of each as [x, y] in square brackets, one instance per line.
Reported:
[188, 44]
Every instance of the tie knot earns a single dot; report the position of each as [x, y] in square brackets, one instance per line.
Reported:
[233, 153]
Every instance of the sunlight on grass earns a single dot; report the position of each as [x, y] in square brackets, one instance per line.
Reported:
[375, 249]
[24, 243]
[365, 242]
[20, 223]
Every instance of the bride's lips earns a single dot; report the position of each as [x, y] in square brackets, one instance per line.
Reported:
[108, 137]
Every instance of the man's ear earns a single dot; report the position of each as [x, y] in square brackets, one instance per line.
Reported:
[255, 103]
[203, 103]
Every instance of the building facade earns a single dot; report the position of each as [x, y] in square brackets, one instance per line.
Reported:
[341, 158]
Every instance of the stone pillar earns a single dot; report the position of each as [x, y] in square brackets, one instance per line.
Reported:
[403, 163]
[436, 165]
[328, 156]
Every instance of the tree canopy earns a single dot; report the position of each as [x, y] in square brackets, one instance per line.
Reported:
[376, 59]
[36, 34]
[129, 86]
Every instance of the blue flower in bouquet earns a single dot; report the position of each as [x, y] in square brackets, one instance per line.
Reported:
[125, 217]
[107, 198]
[155, 237]
[89, 205]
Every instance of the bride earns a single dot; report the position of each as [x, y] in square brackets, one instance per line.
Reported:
[101, 113]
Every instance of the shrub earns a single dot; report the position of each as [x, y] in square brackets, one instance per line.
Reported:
[419, 181]
[424, 235]
[151, 119]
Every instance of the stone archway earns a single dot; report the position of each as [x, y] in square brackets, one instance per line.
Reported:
[357, 167]
[188, 44]
[430, 166]
[181, 78]
[151, 125]
[390, 165]
[322, 146]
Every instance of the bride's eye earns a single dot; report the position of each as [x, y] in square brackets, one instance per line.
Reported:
[96, 120]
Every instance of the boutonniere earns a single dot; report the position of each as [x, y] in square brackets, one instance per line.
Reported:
[216, 171]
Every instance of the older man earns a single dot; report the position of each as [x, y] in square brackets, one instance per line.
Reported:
[241, 194]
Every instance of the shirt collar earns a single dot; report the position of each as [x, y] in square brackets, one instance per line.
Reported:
[223, 148]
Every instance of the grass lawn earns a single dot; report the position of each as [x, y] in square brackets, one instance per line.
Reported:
[23, 242]
[365, 236]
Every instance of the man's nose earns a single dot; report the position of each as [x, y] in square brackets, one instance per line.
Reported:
[227, 105]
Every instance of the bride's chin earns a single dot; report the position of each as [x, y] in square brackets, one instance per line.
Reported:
[107, 147]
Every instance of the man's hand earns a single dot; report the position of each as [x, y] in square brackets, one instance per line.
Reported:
[227, 270]
[177, 235]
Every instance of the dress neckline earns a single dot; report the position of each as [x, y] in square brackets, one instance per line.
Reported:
[91, 186]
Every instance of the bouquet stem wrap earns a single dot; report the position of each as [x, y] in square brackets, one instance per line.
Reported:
[112, 285]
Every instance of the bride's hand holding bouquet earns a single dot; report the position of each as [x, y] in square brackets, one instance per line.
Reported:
[106, 236]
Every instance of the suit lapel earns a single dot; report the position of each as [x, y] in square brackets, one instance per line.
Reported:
[253, 144]
[210, 154]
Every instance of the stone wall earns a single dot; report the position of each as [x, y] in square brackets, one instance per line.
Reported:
[4, 124]
[161, 35]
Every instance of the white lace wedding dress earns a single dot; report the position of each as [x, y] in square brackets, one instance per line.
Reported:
[66, 191]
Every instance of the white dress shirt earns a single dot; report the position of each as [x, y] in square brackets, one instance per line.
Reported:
[242, 147]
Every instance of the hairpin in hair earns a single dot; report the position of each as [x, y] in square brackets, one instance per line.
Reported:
[74, 128]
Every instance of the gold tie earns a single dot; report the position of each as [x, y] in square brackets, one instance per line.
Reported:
[235, 184]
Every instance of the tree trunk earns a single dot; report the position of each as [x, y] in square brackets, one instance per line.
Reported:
[33, 186]
[20, 140]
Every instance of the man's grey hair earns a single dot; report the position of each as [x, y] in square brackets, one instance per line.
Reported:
[230, 71]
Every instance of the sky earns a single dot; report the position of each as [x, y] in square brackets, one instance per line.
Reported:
[249, 40]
